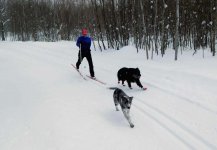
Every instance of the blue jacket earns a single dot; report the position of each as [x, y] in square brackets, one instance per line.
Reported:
[85, 43]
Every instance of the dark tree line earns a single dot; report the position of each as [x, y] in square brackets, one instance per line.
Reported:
[148, 24]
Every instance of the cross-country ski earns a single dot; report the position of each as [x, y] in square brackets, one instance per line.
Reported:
[95, 79]
[79, 72]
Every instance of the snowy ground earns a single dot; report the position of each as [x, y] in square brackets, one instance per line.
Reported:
[46, 105]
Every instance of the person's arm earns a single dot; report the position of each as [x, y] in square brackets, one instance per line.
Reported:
[90, 42]
[78, 42]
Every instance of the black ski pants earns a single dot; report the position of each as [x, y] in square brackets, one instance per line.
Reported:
[89, 59]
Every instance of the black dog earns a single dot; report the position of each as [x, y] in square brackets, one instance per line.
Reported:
[122, 99]
[129, 75]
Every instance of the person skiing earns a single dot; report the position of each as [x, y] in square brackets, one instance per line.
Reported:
[84, 44]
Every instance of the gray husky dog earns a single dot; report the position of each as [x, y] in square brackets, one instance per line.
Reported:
[122, 99]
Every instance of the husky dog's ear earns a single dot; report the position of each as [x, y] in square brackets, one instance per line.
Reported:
[131, 98]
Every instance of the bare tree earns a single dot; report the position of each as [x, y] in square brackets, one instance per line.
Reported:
[163, 33]
[146, 24]
[155, 28]
[3, 18]
[177, 30]
[213, 26]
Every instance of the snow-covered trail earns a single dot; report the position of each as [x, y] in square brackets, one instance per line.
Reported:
[176, 90]
[45, 104]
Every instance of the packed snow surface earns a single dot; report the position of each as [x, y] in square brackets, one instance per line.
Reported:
[46, 105]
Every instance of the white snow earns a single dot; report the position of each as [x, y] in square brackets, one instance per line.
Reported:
[46, 105]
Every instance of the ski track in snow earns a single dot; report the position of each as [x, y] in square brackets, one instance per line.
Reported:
[173, 130]
[160, 114]
[181, 97]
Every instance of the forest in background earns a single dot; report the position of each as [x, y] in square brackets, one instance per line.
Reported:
[152, 25]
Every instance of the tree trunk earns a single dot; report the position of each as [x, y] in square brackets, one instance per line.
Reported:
[163, 37]
[155, 27]
[177, 30]
[213, 32]
[3, 31]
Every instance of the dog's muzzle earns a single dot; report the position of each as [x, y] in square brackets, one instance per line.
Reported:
[128, 106]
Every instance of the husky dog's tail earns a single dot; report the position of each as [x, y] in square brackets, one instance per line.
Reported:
[112, 88]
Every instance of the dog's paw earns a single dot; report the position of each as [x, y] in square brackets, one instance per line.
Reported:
[144, 88]
[131, 125]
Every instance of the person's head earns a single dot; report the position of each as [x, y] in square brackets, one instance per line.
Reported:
[84, 32]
